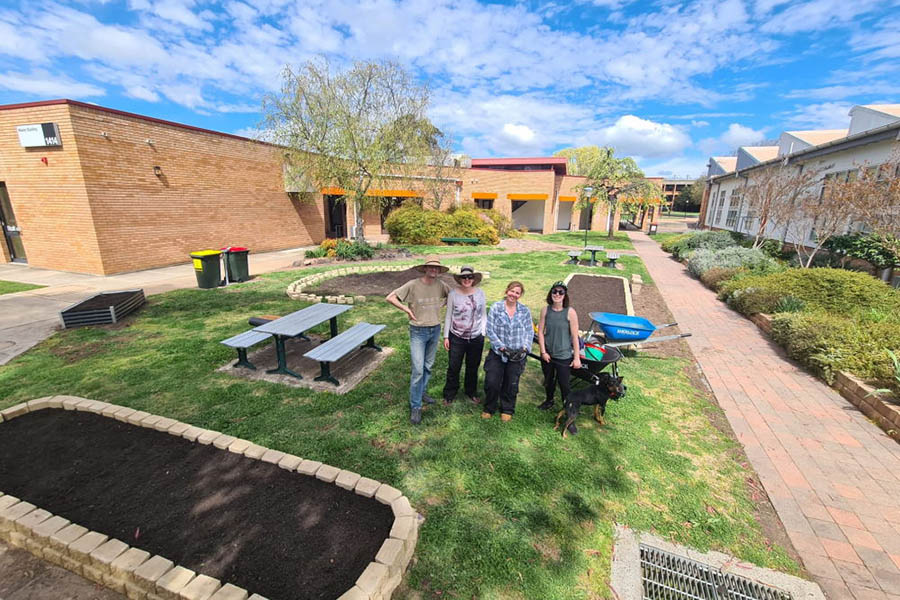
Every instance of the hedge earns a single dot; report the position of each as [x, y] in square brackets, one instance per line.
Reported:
[732, 257]
[413, 224]
[833, 290]
[683, 247]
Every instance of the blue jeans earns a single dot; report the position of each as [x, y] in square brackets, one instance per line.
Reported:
[423, 343]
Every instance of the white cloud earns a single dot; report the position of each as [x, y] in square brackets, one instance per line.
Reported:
[45, 84]
[739, 135]
[518, 133]
[631, 135]
[817, 15]
[826, 115]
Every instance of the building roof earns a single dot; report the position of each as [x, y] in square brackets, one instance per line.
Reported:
[888, 109]
[726, 162]
[761, 153]
[127, 114]
[820, 136]
[557, 163]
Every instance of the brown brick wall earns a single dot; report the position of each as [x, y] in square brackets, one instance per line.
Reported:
[214, 191]
[50, 201]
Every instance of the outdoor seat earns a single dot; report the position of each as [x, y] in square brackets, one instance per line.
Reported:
[611, 258]
[241, 342]
[573, 257]
[342, 345]
[452, 240]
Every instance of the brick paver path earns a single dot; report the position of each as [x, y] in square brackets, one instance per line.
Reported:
[832, 476]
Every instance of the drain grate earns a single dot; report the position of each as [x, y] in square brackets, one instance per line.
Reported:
[667, 576]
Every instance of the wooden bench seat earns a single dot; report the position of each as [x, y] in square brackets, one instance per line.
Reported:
[341, 345]
[241, 342]
[573, 256]
[451, 240]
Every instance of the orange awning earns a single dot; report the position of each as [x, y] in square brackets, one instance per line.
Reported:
[527, 196]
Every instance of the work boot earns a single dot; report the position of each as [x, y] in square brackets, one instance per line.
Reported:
[486, 415]
[546, 405]
[505, 417]
[415, 416]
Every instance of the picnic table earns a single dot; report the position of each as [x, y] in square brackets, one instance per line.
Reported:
[594, 250]
[296, 324]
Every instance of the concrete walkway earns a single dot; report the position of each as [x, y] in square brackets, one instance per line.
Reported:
[832, 476]
[27, 318]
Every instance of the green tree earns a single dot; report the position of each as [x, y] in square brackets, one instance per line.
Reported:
[690, 196]
[609, 179]
[360, 129]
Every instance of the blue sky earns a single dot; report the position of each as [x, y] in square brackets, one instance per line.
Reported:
[669, 83]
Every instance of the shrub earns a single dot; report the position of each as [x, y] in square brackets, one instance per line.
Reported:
[669, 244]
[715, 276]
[703, 239]
[732, 257]
[828, 343]
[353, 250]
[412, 224]
[501, 223]
[789, 304]
[314, 253]
[834, 290]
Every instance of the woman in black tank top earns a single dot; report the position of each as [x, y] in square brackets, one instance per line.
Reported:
[558, 339]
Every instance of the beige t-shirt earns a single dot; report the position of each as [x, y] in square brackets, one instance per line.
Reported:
[425, 300]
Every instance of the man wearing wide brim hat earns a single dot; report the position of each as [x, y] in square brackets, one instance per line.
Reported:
[421, 299]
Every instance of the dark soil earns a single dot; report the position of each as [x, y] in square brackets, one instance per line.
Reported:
[242, 521]
[101, 301]
[589, 294]
[380, 283]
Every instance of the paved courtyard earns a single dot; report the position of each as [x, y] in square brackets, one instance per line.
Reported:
[832, 476]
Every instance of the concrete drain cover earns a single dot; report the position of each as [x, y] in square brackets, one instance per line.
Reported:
[647, 567]
[666, 576]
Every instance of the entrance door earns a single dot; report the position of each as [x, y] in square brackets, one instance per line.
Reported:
[10, 228]
[336, 210]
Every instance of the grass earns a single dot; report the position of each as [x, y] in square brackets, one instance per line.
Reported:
[512, 510]
[11, 287]
[576, 239]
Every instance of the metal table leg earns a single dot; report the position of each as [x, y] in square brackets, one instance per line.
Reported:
[333, 324]
[593, 257]
[282, 359]
[242, 359]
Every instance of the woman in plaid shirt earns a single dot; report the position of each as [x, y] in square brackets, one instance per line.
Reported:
[511, 332]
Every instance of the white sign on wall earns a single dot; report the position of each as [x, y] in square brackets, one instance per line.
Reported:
[39, 136]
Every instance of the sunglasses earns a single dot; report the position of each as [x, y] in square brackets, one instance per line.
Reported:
[467, 277]
[558, 292]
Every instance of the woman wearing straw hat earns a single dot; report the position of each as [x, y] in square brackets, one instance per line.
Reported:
[424, 297]
[464, 333]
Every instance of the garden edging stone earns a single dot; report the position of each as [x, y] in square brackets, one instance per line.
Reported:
[133, 572]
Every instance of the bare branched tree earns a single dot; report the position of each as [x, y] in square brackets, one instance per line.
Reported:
[361, 129]
[772, 195]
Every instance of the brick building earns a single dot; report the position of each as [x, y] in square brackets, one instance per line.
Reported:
[94, 190]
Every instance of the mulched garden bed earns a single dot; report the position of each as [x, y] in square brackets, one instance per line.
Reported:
[380, 283]
[280, 534]
[589, 294]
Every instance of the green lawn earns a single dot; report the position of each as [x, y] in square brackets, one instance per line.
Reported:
[576, 239]
[512, 510]
[11, 287]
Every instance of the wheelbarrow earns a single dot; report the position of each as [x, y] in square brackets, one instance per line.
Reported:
[625, 330]
[595, 358]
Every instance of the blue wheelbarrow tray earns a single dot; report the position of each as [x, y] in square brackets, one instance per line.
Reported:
[623, 328]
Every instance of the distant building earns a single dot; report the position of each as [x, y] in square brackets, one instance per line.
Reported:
[91, 189]
[871, 138]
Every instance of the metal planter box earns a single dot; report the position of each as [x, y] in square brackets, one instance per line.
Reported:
[102, 309]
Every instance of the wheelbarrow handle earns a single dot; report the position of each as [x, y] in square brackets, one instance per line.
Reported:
[666, 325]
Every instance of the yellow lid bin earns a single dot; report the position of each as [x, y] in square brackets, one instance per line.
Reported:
[207, 268]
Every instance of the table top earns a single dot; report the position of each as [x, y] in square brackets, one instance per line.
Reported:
[306, 318]
[594, 248]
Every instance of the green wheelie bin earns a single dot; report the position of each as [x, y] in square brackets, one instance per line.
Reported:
[206, 267]
[236, 267]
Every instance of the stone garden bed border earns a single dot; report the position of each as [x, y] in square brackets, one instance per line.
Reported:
[854, 390]
[140, 576]
[295, 289]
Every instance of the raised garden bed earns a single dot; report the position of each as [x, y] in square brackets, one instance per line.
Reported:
[208, 502]
[598, 293]
[102, 309]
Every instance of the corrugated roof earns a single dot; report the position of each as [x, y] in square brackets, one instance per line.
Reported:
[820, 136]
[726, 162]
[888, 109]
[761, 153]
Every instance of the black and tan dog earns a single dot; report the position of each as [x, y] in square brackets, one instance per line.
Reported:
[603, 388]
